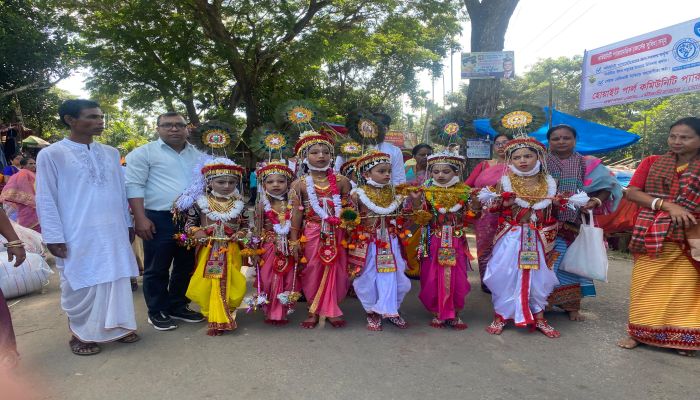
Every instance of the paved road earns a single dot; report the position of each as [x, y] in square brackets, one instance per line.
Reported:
[259, 361]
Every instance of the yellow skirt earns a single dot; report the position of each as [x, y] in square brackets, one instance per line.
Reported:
[412, 258]
[665, 300]
[218, 299]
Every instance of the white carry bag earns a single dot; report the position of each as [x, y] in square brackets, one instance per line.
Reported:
[587, 255]
[30, 276]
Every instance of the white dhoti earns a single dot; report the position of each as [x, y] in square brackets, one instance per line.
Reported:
[382, 292]
[517, 294]
[100, 313]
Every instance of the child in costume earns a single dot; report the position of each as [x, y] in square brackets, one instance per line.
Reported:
[214, 223]
[443, 249]
[518, 274]
[381, 285]
[277, 271]
[317, 198]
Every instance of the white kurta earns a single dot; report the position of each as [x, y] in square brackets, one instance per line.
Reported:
[81, 201]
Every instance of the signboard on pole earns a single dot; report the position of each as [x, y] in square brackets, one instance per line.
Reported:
[656, 64]
[488, 65]
[478, 148]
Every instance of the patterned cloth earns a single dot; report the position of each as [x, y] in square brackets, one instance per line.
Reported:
[569, 174]
[653, 227]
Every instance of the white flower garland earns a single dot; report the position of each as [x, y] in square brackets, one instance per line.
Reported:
[280, 229]
[233, 213]
[374, 207]
[452, 182]
[551, 191]
[316, 204]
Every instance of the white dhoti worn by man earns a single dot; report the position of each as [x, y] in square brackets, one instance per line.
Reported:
[81, 201]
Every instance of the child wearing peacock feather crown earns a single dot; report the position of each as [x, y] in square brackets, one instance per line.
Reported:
[374, 253]
[520, 277]
[442, 210]
[277, 275]
[317, 199]
[214, 223]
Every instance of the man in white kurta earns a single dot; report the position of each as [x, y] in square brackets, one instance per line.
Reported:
[81, 202]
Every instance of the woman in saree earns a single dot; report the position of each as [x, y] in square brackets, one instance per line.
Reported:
[574, 173]
[19, 195]
[487, 173]
[665, 289]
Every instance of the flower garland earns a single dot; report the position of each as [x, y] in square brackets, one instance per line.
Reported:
[335, 199]
[374, 207]
[458, 202]
[551, 191]
[273, 216]
[232, 213]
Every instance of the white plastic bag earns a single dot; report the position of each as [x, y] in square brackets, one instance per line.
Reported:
[587, 256]
[29, 277]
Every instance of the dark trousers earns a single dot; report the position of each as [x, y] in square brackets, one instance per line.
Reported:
[164, 289]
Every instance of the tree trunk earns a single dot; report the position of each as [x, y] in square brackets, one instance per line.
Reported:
[489, 21]
[191, 110]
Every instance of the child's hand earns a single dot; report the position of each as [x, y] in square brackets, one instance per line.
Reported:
[200, 235]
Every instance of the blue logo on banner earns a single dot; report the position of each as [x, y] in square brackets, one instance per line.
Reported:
[686, 49]
[696, 29]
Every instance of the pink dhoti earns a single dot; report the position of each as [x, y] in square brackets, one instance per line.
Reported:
[324, 286]
[443, 289]
[274, 282]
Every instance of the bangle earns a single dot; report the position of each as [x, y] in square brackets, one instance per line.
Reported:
[597, 200]
[653, 203]
[293, 242]
[14, 243]
[661, 204]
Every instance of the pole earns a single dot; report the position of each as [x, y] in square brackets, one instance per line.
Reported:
[550, 104]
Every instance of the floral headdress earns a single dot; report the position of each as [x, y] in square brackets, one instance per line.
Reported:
[524, 142]
[221, 167]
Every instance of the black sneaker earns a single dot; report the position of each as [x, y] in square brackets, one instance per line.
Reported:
[187, 315]
[161, 322]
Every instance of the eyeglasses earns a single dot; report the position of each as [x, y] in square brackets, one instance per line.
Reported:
[500, 144]
[170, 125]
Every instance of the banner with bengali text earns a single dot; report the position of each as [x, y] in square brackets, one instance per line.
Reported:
[656, 64]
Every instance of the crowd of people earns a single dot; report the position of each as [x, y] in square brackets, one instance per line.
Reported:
[316, 235]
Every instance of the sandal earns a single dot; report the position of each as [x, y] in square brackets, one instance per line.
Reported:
[81, 348]
[311, 322]
[496, 327]
[374, 322]
[543, 326]
[456, 323]
[399, 322]
[130, 338]
[337, 323]
[437, 323]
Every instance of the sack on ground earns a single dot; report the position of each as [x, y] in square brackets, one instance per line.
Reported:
[587, 256]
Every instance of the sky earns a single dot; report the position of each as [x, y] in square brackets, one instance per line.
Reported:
[549, 28]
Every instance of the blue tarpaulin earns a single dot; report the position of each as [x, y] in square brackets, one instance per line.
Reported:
[592, 138]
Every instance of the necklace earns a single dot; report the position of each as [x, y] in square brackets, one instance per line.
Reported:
[543, 190]
[444, 200]
[321, 209]
[380, 201]
[217, 210]
[281, 223]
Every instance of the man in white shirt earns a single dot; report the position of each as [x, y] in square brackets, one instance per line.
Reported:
[85, 222]
[156, 174]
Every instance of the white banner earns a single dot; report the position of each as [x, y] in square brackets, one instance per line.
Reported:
[656, 64]
[488, 65]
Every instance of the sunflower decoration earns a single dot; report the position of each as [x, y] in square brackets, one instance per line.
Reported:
[519, 120]
[300, 115]
[449, 128]
[215, 137]
[267, 142]
[367, 128]
[348, 148]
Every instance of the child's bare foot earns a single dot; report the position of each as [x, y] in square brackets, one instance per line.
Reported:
[310, 322]
[437, 323]
[576, 316]
[543, 326]
[214, 332]
[628, 343]
[337, 322]
[374, 322]
[496, 327]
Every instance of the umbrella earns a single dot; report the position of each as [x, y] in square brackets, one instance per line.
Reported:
[33, 141]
